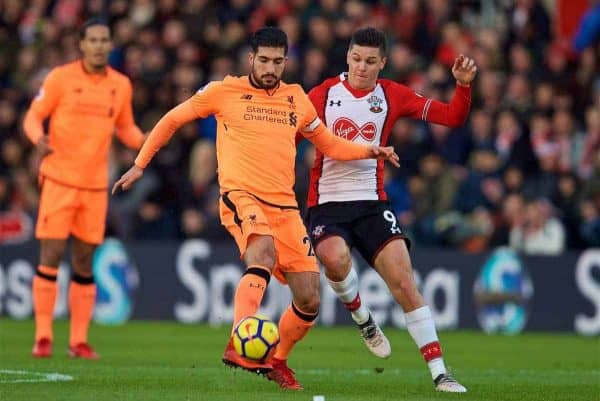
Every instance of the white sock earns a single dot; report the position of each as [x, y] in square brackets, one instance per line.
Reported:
[347, 292]
[422, 329]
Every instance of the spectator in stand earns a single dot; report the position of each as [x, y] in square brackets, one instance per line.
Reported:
[198, 218]
[481, 130]
[482, 187]
[591, 146]
[510, 218]
[590, 227]
[513, 144]
[513, 180]
[543, 99]
[569, 141]
[529, 23]
[567, 199]
[432, 192]
[540, 232]
[518, 96]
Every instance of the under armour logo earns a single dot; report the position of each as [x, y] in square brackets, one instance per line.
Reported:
[332, 102]
[246, 97]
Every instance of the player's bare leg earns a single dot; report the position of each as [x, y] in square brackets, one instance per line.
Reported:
[260, 259]
[334, 253]
[45, 291]
[294, 324]
[82, 299]
[394, 265]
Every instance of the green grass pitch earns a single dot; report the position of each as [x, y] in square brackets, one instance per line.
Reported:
[168, 361]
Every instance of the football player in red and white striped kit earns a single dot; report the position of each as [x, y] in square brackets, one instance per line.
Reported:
[347, 204]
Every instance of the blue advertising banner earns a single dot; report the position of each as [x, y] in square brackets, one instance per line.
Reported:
[193, 281]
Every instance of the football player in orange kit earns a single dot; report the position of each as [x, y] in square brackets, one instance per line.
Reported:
[86, 101]
[257, 119]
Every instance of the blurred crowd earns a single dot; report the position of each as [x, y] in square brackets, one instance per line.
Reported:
[524, 171]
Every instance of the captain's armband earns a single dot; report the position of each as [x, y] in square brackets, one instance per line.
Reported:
[310, 128]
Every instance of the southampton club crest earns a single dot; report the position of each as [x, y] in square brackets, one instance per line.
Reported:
[375, 103]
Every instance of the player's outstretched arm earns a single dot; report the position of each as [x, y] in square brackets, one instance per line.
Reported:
[385, 153]
[453, 114]
[341, 149]
[128, 179]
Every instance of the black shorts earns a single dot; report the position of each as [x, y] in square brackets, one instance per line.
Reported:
[365, 225]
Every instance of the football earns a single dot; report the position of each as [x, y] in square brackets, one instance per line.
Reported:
[255, 337]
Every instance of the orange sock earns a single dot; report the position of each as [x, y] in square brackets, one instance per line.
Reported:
[293, 326]
[249, 292]
[44, 297]
[82, 298]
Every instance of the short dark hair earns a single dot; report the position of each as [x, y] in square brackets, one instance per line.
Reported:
[369, 37]
[269, 36]
[92, 22]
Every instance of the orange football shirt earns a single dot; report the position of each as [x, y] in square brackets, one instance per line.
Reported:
[256, 132]
[84, 110]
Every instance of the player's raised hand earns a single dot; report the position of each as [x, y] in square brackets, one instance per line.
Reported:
[386, 153]
[464, 70]
[127, 179]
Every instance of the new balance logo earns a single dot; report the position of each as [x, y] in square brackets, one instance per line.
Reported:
[331, 103]
[293, 119]
[252, 219]
[246, 97]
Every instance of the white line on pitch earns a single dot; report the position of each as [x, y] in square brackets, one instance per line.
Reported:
[39, 376]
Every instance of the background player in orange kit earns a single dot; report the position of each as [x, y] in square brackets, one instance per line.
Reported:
[85, 100]
[257, 118]
[347, 202]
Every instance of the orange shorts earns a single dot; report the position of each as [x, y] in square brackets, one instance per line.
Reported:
[243, 215]
[66, 210]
